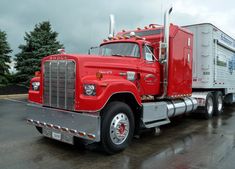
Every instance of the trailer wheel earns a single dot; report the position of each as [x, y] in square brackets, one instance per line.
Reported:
[218, 103]
[209, 107]
[117, 127]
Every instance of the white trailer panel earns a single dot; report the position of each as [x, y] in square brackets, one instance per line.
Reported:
[213, 58]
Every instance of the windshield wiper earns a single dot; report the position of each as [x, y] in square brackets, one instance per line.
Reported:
[118, 55]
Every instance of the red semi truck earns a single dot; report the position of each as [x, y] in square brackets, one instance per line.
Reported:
[140, 79]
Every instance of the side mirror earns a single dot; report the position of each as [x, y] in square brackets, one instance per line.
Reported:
[162, 52]
[149, 56]
[93, 50]
[37, 74]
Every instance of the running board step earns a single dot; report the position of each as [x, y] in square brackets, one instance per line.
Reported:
[155, 114]
[156, 123]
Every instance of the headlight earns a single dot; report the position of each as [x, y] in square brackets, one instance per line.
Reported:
[35, 86]
[89, 89]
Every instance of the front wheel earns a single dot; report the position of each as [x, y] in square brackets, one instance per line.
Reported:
[117, 127]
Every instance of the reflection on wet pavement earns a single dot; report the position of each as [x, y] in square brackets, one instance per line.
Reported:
[187, 143]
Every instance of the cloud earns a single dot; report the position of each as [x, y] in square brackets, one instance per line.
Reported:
[219, 13]
[82, 24]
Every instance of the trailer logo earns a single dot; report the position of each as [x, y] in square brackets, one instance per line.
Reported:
[231, 65]
[229, 41]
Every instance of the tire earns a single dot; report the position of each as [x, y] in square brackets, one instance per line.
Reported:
[117, 127]
[209, 106]
[39, 129]
[218, 103]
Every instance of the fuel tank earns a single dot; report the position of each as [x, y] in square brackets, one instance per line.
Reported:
[159, 113]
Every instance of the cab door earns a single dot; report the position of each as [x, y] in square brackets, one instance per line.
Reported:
[149, 72]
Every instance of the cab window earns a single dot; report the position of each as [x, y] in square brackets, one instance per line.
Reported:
[148, 53]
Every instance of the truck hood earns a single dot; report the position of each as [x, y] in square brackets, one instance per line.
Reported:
[111, 65]
[87, 65]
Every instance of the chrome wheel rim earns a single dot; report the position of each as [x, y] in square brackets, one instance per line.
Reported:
[119, 128]
[210, 106]
[220, 103]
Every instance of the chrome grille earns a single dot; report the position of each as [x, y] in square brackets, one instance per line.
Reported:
[59, 84]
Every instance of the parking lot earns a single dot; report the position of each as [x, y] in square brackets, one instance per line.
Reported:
[187, 143]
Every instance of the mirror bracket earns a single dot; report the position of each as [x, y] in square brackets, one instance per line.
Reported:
[162, 52]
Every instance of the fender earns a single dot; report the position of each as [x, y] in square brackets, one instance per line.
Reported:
[105, 90]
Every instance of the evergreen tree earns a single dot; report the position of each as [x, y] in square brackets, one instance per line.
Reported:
[40, 42]
[5, 50]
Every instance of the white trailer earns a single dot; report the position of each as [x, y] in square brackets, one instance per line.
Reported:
[213, 67]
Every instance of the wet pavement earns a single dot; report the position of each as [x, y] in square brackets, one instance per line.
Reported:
[187, 143]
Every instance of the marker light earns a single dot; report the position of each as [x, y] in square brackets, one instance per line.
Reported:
[61, 51]
[99, 75]
[132, 34]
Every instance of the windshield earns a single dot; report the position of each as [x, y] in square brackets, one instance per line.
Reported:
[120, 49]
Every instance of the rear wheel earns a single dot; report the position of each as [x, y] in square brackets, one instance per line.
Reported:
[218, 103]
[117, 127]
[209, 107]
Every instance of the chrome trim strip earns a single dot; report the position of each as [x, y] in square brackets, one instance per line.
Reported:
[58, 92]
[65, 85]
[50, 84]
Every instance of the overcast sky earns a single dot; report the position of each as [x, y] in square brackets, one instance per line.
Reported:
[82, 24]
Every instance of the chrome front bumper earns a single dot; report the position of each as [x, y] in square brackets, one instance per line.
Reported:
[80, 125]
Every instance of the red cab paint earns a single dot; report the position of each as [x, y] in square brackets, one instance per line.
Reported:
[148, 78]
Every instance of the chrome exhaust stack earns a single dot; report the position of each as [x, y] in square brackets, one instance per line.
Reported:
[164, 50]
[167, 28]
[111, 26]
